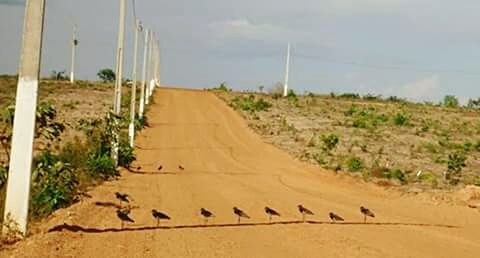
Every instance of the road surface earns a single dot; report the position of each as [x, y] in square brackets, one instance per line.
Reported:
[227, 165]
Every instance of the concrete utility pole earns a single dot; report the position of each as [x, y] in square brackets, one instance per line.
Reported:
[157, 67]
[118, 75]
[149, 68]
[131, 127]
[285, 86]
[74, 50]
[153, 60]
[18, 185]
[144, 73]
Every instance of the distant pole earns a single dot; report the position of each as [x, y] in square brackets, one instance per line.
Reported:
[157, 69]
[119, 75]
[149, 68]
[144, 73]
[285, 86]
[131, 127]
[74, 50]
[18, 185]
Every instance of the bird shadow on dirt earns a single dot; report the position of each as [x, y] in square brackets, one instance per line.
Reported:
[76, 228]
[150, 172]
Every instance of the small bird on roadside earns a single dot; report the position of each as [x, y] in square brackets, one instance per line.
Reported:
[122, 197]
[206, 214]
[160, 168]
[181, 167]
[123, 216]
[334, 217]
[139, 167]
[304, 211]
[159, 216]
[366, 212]
[271, 212]
[240, 214]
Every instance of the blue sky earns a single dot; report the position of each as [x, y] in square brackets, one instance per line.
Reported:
[419, 49]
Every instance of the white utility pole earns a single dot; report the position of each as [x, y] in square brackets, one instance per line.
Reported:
[144, 73]
[118, 76]
[285, 86]
[131, 127]
[149, 68]
[157, 68]
[19, 176]
[74, 50]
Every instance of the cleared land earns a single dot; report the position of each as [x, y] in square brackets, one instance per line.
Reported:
[227, 165]
[392, 143]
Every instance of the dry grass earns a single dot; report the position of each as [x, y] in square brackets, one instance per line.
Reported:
[393, 140]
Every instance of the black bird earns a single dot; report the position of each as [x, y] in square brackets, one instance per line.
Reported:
[304, 211]
[159, 216]
[122, 197]
[181, 167]
[123, 216]
[334, 217]
[160, 168]
[366, 212]
[139, 167]
[240, 214]
[206, 214]
[271, 212]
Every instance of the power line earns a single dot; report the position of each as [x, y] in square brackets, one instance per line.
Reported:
[385, 67]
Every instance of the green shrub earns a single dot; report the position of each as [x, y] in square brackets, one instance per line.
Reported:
[400, 119]
[125, 153]
[455, 163]
[291, 96]
[450, 101]
[250, 104]
[54, 184]
[352, 110]
[354, 164]
[396, 174]
[349, 96]
[330, 141]
[3, 176]
[102, 166]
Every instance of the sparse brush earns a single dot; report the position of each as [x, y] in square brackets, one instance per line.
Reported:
[354, 164]
[330, 141]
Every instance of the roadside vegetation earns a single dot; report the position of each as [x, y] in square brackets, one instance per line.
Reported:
[72, 141]
[389, 141]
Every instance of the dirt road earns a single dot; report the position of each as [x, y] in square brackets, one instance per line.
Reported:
[227, 165]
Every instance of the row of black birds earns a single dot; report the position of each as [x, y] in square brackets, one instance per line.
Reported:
[123, 213]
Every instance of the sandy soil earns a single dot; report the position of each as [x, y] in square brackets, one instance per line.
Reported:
[227, 165]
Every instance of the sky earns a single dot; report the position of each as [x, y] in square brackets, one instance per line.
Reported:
[417, 49]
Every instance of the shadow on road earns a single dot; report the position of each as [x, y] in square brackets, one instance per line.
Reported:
[75, 228]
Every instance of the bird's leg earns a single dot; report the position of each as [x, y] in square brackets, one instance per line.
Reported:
[270, 218]
[364, 218]
[158, 222]
[238, 219]
[121, 225]
[303, 217]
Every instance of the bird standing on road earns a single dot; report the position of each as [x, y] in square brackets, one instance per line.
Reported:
[181, 167]
[122, 197]
[366, 212]
[206, 214]
[123, 216]
[160, 168]
[240, 214]
[304, 211]
[271, 212]
[334, 217]
[159, 216]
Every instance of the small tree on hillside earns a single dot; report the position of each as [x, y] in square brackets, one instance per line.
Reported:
[450, 101]
[106, 75]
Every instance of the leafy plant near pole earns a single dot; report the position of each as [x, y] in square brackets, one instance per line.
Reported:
[455, 163]
[329, 142]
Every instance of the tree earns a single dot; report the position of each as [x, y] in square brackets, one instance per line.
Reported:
[260, 88]
[473, 103]
[450, 101]
[106, 75]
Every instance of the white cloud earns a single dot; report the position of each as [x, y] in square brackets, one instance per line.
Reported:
[423, 89]
[244, 29]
